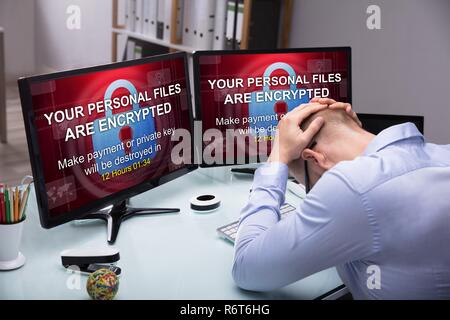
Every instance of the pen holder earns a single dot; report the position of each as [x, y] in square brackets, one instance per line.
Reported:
[10, 238]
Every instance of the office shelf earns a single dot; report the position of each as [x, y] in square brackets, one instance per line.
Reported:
[249, 33]
[140, 36]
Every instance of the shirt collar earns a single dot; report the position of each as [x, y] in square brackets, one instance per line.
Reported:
[391, 135]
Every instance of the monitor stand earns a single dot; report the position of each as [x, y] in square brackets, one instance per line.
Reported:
[244, 170]
[115, 214]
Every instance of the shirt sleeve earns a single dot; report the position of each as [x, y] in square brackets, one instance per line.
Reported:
[330, 227]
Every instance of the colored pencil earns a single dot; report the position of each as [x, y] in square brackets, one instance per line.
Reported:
[19, 204]
[2, 195]
[26, 203]
[7, 205]
[11, 205]
[16, 205]
[2, 205]
[23, 203]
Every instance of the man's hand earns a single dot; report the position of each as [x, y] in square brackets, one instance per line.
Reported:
[333, 104]
[290, 140]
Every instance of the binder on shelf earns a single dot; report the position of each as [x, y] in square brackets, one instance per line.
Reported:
[130, 49]
[263, 29]
[220, 23]
[229, 33]
[167, 18]
[130, 17]
[121, 47]
[204, 17]
[188, 27]
[139, 16]
[145, 17]
[239, 22]
[177, 21]
[150, 10]
[127, 15]
[160, 19]
[121, 13]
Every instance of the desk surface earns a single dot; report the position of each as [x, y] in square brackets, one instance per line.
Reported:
[173, 256]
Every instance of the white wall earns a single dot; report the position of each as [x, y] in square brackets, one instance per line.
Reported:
[17, 18]
[402, 69]
[58, 48]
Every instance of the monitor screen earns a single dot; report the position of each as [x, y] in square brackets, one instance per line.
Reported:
[241, 96]
[375, 123]
[103, 134]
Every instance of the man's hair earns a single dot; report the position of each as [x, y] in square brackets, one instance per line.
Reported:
[335, 121]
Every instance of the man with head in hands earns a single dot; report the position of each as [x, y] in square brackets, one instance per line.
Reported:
[376, 204]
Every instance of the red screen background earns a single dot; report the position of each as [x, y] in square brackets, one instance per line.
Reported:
[229, 66]
[70, 188]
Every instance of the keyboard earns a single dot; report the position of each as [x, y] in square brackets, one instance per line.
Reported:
[229, 231]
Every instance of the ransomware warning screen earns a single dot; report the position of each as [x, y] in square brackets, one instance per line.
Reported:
[105, 131]
[243, 96]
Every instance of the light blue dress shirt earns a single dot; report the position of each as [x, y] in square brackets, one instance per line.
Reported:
[382, 219]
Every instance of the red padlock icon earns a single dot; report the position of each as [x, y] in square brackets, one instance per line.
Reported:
[280, 108]
[260, 109]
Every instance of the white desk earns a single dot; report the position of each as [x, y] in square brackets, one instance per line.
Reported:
[173, 256]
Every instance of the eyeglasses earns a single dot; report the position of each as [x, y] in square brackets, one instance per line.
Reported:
[307, 180]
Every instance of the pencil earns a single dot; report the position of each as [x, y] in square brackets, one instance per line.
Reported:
[20, 204]
[26, 203]
[7, 205]
[16, 205]
[23, 203]
[2, 205]
[2, 211]
[11, 205]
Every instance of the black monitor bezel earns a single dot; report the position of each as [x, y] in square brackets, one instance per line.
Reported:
[395, 117]
[47, 221]
[198, 54]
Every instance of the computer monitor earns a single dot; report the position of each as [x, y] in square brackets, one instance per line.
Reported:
[241, 95]
[98, 136]
[375, 123]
